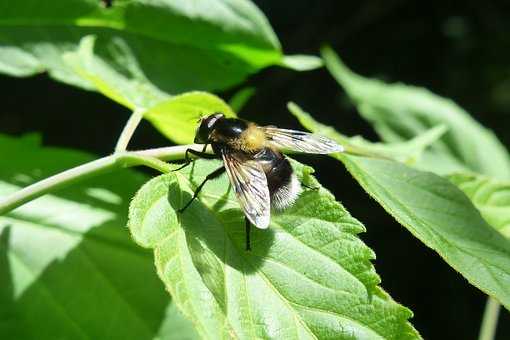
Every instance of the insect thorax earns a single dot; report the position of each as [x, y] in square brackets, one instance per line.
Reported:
[238, 135]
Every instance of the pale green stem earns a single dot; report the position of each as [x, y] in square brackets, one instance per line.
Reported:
[490, 319]
[129, 130]
[152, 158]
[170, 153]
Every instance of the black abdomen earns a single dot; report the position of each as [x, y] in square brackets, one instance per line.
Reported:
[277, 168]
[279, 176]
[283, 185]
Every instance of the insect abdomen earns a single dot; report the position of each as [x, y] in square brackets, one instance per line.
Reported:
[284, 187]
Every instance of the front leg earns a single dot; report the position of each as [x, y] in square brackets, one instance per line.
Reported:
[199, 154]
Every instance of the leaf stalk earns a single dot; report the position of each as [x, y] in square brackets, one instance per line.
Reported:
[490, 319]
[152, 158]
[129, 130]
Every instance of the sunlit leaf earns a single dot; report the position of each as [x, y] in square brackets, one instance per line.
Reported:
[176, 45]
[68, 268]
[308, 276]
[441, 216]
[177, 117]
[400, 112]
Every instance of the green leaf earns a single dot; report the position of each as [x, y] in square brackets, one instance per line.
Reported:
[177, 47]
[491, 197]
[400, 112]
[308, 276]
[129, 88]
[407, 152]
[177, 117]
[442, 217]
[68, 269]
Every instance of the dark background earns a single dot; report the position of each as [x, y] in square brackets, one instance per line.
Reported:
[458, 49]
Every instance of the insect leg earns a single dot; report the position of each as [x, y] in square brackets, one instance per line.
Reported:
[199, 154]
[212, 175]
[248, 230]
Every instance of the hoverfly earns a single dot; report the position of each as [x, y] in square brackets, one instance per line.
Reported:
[260, 174]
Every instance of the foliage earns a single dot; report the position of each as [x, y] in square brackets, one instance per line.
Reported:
[400, 112]
[308, 276]
[67, 257]
[443, 218]
[68, 267]
[469, 155]
[175, 46]
[408, 152]
[433, 210]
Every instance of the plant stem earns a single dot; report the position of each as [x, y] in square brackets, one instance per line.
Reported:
[170, 153]
[490, 319]
[152, 158]
[129, 130]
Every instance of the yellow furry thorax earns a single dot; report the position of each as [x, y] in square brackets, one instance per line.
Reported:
[251, 140]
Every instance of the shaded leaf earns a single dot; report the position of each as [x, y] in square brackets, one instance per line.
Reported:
[68, 269]
[491, 197]
[308, 276]
[176, 45]
[408, 152]
[400, 112]
[131, 88]
[442, 217]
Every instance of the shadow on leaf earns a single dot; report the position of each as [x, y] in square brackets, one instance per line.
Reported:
[220, 232]
[101, 289]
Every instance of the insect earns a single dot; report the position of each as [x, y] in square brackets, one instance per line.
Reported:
[260, 174]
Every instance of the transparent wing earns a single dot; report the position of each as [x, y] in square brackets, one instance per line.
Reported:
[300, 141]
[250, 185]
